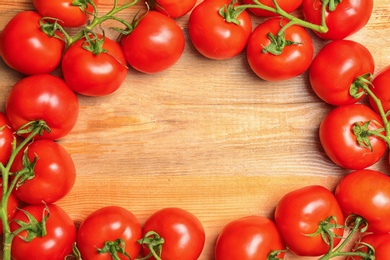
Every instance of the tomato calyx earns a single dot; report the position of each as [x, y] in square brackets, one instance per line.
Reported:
[93, 44]
[274, 254]
[229, 13]
[278, 42]
[36, 127]
[331, 4]
[113, 248]
[83, 5]
[33, 227]
[361, 82]
[362, 132]
[325, 230]
[154, 242]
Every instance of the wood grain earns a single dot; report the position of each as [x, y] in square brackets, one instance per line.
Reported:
[207, 136]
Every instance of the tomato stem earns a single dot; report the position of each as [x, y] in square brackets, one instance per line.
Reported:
[33, 128]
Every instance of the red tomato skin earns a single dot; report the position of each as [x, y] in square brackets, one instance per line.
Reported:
[344, 60]
[348, 18]
[108, 224]
[155, 44]
[43, 97]
[67, 14]
[56, 245]
[339, 142]
[172, 8]
[6, 139]
[293, 61]
[250, 238]
[94, 75]
[370, 188]
[381, 244]
[287, 5]
[55, 173]
[298, 213]
[183, 233]
[22, 34]
[215, 38]
[381, 90]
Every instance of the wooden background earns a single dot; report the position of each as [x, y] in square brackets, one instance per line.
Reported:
[207, 136]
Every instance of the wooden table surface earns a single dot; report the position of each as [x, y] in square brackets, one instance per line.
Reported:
[207, 136]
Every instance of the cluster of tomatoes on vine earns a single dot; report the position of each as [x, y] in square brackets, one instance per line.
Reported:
[44, 108]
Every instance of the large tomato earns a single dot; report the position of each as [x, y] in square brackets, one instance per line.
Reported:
[250, 238]
[155, 44]
[343, 127]
[298, 215]
[366, 193]
[172, 8]
[70, 13]
[293, 60]
[56, 244]
[108, 228]
[54, 173]
[346, 62]
[43, 97]
[379, 242]
[348, 17]
[286, 5]
[183, 233]
[92, 69]
[213, 35]
[22, 35]
[380, 88]
[6, 139]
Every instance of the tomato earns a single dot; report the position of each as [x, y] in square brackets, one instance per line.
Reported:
[298, 214]
[380, 243]
[155, 44]
[55, 245]
[22, 34]
[12, 205]
[6, 139]
[340, 142]
[43, 97]
[345, 61]
[172, 8]
[215, 37]
[366, 193]
[348, 17]
[107, 225]
[251, 237]
[54, 173]
[293, 60]
[287, 5]
[67, 13]
[381, 90]
[93, 74]
[183, 233]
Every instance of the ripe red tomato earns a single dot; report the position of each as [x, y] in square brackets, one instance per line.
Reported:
[107, 225]
[155, 44]
[380, 243]
[43, 97]
[340, 142]
[298, 214]
[333, 84]
[22, 34]
[67, 13]
[348, 17]
[92, 74]
[183, 233]
[6, 139]
[381, 90]
[215, 37]
[54, 173]
[252, 237]
[172, 8]
[294, 59]
[56, 244]
[287, 5]
[366, 193]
